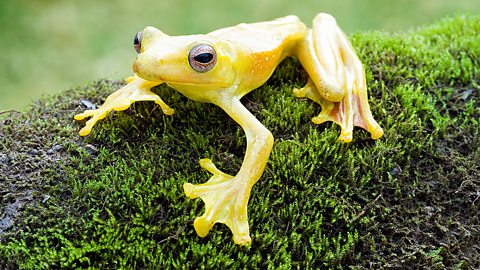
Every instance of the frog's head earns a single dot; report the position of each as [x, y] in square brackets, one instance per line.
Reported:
[183, 60]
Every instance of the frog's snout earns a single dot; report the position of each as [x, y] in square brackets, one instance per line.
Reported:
[136, 67]
[139, 70]
[142, 68]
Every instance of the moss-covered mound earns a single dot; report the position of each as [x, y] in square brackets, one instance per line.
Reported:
[114, 199]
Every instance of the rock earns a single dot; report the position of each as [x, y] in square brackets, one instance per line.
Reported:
[4, 158]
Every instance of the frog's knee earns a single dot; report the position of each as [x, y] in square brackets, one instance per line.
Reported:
[325, 18]
[331, 91]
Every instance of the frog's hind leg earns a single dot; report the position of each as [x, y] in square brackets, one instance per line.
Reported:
[136, 89]
[337, 79]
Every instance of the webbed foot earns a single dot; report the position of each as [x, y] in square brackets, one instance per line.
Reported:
[226, 199]
[136, 89]
[353, 110]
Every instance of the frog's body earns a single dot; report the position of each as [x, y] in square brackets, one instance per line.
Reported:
[223, 66]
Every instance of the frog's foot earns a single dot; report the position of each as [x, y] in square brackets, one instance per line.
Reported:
[353, 110]
[226, 199]
[136, 89]
[337, 78]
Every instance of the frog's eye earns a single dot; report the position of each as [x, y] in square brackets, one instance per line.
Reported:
[202, 58]
[137, 42]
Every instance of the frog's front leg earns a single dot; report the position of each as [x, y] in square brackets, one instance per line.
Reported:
[337, 79]
[136, 89]
[225, 196]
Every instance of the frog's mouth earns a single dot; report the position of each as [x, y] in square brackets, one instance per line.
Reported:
[143, 70]
[150, 76]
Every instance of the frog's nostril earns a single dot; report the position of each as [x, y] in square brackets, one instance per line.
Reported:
[137, 42]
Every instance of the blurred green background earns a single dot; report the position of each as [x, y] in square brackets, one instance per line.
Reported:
[51, 45]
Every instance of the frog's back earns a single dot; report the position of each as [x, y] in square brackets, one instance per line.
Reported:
[261, 46]
[280, 33]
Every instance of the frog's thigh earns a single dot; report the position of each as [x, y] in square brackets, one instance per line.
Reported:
[321, 56]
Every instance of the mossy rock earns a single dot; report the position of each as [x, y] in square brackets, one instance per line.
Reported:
[114, 200]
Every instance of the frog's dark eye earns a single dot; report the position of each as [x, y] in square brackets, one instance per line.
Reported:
[202, 58]
[137, 42]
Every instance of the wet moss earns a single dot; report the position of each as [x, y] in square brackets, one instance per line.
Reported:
[115, 198]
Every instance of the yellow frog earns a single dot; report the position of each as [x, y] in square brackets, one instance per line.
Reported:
[224, 65]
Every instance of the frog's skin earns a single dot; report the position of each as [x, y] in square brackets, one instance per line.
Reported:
[224, 65]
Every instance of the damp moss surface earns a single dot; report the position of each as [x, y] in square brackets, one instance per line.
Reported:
[114, 199]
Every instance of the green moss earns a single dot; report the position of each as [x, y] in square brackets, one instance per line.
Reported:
[115, 198]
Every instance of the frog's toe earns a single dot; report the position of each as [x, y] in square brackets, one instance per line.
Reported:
[80, 116]
[85, 114]
[168, 111]
[308, 91]
[346, 135]
[376, 131]
[242, 239]
[96, 116]
[202, 226]
[85, 131]
[208, 165]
